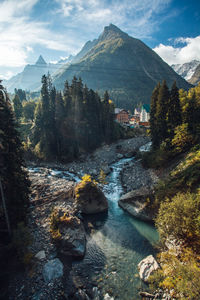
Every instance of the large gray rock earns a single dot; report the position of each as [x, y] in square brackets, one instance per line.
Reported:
[90, 199]
[147, 266]
[52, 269]
[40, 255]
[136, 203]
[72, 241]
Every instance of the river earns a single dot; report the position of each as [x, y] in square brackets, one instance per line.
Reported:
[116, 245]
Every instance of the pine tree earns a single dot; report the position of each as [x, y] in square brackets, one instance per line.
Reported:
[191, 113]
[161, 113]
[18, 109]
[153, 120]
[13, 177]
[174, 111]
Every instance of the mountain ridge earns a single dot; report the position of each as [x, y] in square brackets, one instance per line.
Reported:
[123, 65]
[186, 70]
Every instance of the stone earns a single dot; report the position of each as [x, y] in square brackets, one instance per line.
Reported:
[52, 269]
[106, 169]
[147, 266]
[90, 198]
[73, 237]
[129, 154]
[135, 202]
[119, 156]
[108, 297]
[40, 255]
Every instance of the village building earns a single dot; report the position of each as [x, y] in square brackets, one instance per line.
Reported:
[145, 115]
[121, 115]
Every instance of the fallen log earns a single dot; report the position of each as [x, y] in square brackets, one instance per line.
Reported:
[146, 295]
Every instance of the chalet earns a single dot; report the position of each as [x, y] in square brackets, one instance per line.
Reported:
[145, 113]
[121, 115]
[137, 112]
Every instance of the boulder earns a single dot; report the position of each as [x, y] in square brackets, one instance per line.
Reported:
[40, 255]
[108, 297]
[147, 266]
[130, 154]
[52, 269]
[89, 198]
[120, 156]
[137, 202]
[72, 237]
[106, 169]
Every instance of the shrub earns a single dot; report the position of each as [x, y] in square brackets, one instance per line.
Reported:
[180, 275]
[182, 138]
[179, 218]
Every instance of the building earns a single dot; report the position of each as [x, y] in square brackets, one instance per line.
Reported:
[121, 115]
[145, 113]
[137, 112]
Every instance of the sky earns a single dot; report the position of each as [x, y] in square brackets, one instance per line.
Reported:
[57, 28]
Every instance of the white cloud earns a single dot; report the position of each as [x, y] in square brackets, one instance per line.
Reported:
[19, 34]
[7, 75]
[137, 17]
[180, 55]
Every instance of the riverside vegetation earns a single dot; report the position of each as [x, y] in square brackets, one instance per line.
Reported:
[175, 133]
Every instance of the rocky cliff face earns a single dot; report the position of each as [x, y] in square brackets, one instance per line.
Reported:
[186, 70]
[195, 79]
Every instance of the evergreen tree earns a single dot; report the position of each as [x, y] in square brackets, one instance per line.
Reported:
[21, 94]
[153, 120]
[191, 114]
[18, 109]
[161, 113]
[174, 111]
[12, 174]
[108, 118]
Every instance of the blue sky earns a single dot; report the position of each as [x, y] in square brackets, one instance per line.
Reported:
[58, 28]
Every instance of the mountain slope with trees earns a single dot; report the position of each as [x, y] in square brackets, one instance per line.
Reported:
[124, 66]
[175, 132]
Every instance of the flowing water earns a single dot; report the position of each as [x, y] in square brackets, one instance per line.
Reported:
[117, 243]
[115, 247]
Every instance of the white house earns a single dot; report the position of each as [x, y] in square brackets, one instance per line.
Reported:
[145, 113]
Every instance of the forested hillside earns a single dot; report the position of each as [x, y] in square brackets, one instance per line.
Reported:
[175, 132]
[66, 125]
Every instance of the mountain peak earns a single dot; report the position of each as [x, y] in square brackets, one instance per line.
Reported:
[40, 61]
[112, 32]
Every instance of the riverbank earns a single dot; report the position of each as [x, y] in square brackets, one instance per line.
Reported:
[51, 186]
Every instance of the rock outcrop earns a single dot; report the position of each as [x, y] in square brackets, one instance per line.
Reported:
[68, 232]
[147, 266]
[137, 203]
[90, 199]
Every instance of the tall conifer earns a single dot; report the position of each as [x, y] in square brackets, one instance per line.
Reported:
[174, 117]
[13, 176]
[161, 112]
[153, 120]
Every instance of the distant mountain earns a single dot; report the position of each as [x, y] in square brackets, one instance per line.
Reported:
[195, 79]
[30, 77]
[186, 70]
[123, 65]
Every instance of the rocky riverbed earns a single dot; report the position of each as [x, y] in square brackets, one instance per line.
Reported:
[54, 188]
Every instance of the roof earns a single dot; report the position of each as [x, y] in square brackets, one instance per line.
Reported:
[146, 107]
[118, 110]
